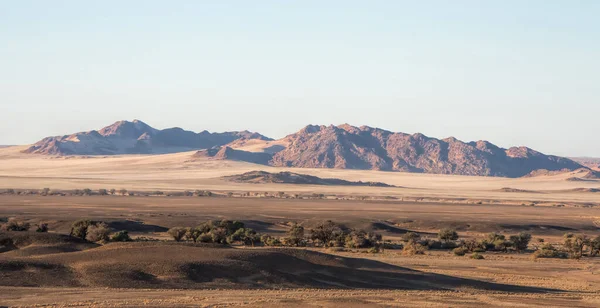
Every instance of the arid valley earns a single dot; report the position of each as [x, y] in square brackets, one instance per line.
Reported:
[150, 195]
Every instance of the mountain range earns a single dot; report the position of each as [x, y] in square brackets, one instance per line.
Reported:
[343, 146]
[136, 137]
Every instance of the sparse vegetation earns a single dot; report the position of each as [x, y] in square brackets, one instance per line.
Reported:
[460, 251]
[41, 227]
[121, 236]
[476, 256]
[177, 233]
[448, 235]
[15, 225]
[98, 232]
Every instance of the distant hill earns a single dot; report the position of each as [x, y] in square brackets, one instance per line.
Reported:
[295, 178]
[135, 137]
[350, 147]
[590, 162]
[343, 147]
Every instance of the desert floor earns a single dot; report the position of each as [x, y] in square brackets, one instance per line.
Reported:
[152, 274]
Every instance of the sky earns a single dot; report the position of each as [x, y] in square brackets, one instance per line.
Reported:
[511, 72]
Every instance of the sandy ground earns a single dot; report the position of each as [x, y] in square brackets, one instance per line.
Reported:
[67, 297]
[572, 283]
[181, 172]
[267, 215]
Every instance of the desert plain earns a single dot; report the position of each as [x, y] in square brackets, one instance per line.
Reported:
[54, 269]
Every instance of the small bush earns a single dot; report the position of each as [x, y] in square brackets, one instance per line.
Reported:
[98, 233]
[177, 233]
[520, 241]
[205, 238]
[270, 240]
[448, 235]
[549, 251]
[460, 251]
[374, 249]
[412, 248]
[476, 256]
[79, 228]
[14, 225]
[121, 236]
[411, 237]
[42, 227]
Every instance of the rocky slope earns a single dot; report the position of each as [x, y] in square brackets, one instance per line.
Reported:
[344, 147]
[364, 147]
[135, 137]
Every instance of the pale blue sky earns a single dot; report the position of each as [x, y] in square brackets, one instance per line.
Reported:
[511, 72]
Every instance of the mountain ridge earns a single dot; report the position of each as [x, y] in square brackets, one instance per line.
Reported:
[315, 146]
[135, 137]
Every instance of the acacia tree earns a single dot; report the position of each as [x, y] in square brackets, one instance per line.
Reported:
[575, 244]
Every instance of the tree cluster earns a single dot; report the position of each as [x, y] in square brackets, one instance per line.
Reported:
[97, 231]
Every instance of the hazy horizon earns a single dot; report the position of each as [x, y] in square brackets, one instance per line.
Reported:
[513, 73]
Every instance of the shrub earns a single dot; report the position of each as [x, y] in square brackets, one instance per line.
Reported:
[79, 228]
[244, 235]
[177, 233]
[476, 256]
[230, 226]
[219, 235]
[42, 227]
[448, 235]
[295, 236]
[98, 233]
[460, 251]
[102, 192]
[192, 234]
[205, 238]
[548, 251]
[121, 236]
[595, 246]
[87, 192]
[327, 233]
[362, 239]
[270, 240]
[113, 191]
[520, 241]
[412, 248]
[123, 191]
[473, 245]
[411, 237]
[575, 244]
[14, 225]
[374, 249]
